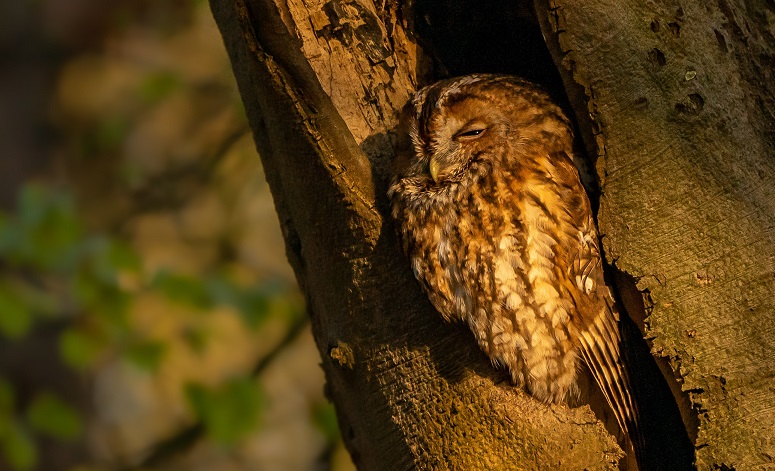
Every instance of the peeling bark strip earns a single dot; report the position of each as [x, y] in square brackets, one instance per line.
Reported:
[321, 83]
[682, 99]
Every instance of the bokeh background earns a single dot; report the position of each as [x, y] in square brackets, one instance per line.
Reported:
[148, 317]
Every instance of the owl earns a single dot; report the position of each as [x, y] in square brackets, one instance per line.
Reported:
[499, 232]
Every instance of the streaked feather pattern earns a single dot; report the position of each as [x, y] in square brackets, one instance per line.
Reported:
[499, 231]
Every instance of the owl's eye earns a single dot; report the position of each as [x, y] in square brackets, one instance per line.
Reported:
[470, 133]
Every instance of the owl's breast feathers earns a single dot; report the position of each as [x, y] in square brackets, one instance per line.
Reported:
[496, 253]
[515, 255]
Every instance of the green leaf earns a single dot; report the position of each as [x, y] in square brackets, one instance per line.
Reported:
[86, 291]
[146, 354]
[158, 86]
[50, 415]
[324, 417]
[110, 132]
[221, 290]
[96, 266]
[196, 338]
[254, 307]
[44, 232]
[17, 447]
[31, 205]
[253, 304]
[105, 258]
[15, 317]
[39, 300]
[230, 412]
[123, 257]
[78, 349]
[183, 289]
[105, 299]
[199, 397]
[6, 398]
[9, 234]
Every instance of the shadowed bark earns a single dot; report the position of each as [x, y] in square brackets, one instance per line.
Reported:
[675, 111]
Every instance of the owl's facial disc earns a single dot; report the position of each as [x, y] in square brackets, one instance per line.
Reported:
[442, 164]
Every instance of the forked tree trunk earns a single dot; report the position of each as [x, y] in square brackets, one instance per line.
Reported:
[675, 104]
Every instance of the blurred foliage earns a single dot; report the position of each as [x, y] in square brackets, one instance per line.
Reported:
[213, 290]
[15, 442]
[230, 411]
[158, 86]
[55, 272]
[324, 417]
[46, 414]
[50, 415]
[135, 305]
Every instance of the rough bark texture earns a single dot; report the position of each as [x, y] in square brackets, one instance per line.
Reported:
[681, 118]
[321, 84]
[682, 110]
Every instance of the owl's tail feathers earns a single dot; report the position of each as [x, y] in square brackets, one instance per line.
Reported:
[600, 344]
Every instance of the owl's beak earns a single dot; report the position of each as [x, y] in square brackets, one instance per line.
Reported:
[434, 167]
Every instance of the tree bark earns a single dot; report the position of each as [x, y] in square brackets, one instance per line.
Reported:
[682, 104]
[681, 120]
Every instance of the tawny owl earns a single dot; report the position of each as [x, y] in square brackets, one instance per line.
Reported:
[499, 232]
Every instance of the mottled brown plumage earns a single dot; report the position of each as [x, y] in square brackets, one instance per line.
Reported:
[499, 232]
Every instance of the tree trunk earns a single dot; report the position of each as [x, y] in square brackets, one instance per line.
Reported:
[682, 104]
[680, 117]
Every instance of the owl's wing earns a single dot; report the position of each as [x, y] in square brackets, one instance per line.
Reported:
[600, 337]
[600, 350]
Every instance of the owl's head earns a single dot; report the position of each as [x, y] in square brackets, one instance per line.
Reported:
[463, 124]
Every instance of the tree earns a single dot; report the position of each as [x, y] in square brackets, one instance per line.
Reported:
[674, 106]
